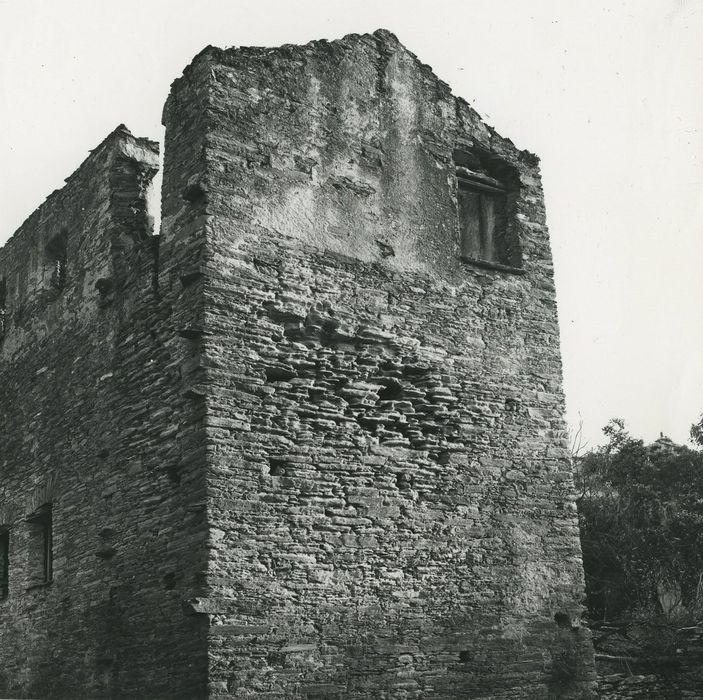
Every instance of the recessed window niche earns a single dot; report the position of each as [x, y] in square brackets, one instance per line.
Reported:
[57, 260]
[3, 309]
[4, 562]
[485, 203]
[41, 545]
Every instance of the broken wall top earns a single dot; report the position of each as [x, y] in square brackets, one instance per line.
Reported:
[82, 244]
[382, 41]
[349, 146]
[345, 145]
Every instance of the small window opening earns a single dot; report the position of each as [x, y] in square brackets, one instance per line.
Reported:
[195, 194]
[3, 308]
[562, 619]
[393, 391]
[57, 258]
[4, 563]
[483, 202]
[41, 544]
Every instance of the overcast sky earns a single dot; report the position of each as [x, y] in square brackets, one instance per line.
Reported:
[608, 94]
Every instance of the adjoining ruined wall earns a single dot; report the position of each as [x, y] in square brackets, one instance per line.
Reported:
[94, 421]
[390, 498]
[664, 678]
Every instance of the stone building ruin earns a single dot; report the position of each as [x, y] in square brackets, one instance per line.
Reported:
[308, 442]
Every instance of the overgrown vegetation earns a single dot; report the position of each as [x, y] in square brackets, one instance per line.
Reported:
[641, 520]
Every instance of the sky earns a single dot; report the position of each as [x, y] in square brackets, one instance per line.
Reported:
[608, 94]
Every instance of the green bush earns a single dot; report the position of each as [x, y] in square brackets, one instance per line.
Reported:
[641, 521]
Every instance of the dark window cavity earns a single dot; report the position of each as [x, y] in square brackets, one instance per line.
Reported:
[57, 260]
[484, 202]
[481, 216]
[3, 308]
[41, 545]
[4, 563]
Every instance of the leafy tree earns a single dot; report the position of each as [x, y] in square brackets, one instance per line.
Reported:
[697, 432]
[641, 520]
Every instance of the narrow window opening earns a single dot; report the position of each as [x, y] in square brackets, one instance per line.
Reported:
[57, 260]
[41, 544]
[3, 309]
[4, 564]
[562, 619]
[195, 194]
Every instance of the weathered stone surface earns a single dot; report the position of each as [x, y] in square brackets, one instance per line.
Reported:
[388, 472]
[329, 454]
[93, 421]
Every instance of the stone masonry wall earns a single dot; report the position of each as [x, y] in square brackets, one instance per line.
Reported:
[295, 446]
[95, 419]
[389, 489]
